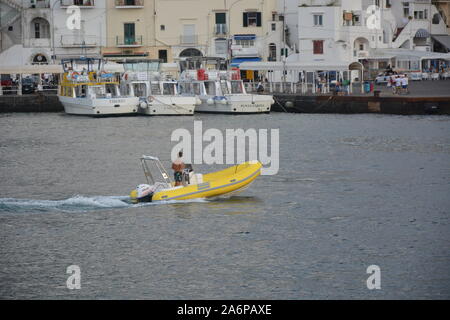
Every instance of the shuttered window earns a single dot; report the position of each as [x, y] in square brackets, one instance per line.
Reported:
[318, 46]
[252, 19]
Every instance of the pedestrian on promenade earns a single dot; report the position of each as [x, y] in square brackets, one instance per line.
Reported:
[398, 84]
[405, 84]
[392, 80]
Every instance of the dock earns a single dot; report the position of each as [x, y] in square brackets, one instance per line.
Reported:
[425, 97]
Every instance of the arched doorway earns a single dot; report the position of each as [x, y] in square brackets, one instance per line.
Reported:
[190, 52]
[359, 68]
[39, 59]
[361, 47]
[188, 59]
[272, 52]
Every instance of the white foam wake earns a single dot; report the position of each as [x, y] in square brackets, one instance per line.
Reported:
[76, 204]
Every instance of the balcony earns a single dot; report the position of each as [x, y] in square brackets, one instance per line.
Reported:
[40, 4]
[240, 51]
[220, 29]
[129, 4]
[189, 40]
[81, 41]
[128, 42]
[80, 3]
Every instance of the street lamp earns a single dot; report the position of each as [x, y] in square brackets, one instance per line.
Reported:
[229, 30]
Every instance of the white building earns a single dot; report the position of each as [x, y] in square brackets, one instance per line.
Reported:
[45, 31]
[366, 34]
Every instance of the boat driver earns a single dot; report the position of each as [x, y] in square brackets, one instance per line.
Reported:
[178, 166]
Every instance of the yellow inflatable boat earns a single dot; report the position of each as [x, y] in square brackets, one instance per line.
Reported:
[225, 182]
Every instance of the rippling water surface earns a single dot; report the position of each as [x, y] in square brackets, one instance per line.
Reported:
[352, 191]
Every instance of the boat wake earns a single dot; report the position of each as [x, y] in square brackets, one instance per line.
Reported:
[77, 204]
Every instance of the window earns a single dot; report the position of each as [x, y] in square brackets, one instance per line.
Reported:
[274, 26]
[210, 87]
[252, 19]
[163, 27]
[406, 9]
[169, 89]
[37, 31]
[361, 47]
[418, 14]
[318, 46]
[318, 20]
[236, 87]
[221, 18]
[221, 46]
[162, 55]
[245, 43]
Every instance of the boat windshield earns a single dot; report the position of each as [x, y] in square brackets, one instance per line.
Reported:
[106, 91]
[236, 87]
[190, 88]
[140, 89]
[210, 87]
[224, 87]
[155, 88]
[169, 89]
[147, 66]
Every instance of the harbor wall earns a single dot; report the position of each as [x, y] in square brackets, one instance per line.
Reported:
[283, 103]
[362, 104]
[30, 103]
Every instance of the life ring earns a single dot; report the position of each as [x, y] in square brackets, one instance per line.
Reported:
[75, 75]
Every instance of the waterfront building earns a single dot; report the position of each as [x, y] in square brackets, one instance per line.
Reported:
[367, 36]
[41, 31]
[170, 30]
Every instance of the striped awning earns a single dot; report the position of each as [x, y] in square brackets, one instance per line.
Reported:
[422, 33]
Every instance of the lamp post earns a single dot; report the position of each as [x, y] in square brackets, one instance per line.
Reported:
[52, 8]
[229, 30]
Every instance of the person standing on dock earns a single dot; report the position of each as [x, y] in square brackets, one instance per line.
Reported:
[178, 167]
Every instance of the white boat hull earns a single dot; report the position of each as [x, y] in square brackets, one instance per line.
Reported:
[100, 107]
[169, 106]
[236, 104]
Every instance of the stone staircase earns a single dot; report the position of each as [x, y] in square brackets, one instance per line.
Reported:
[11, 15]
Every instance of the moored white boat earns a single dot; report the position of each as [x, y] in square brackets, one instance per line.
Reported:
[157, 96]
[222, 92]
[85, 91]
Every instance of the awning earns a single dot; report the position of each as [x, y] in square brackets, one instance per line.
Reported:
[296, 66]
[31, 69]
[245, 37]
[236, 62]
[444, 40]
[422, 33]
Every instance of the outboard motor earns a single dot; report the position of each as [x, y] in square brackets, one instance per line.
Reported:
[143, 193]
[186, 178]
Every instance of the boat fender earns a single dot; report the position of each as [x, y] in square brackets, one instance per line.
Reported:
[198, 101]
[143, 105]
[150, 99]
[210, 101]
